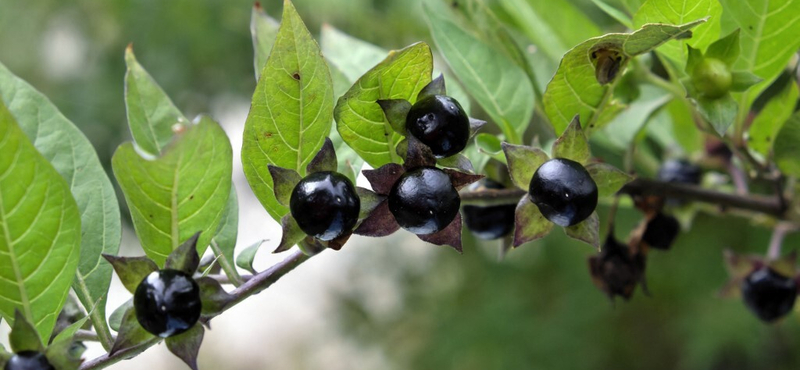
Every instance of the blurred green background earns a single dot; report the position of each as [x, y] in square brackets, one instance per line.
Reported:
[536, 309]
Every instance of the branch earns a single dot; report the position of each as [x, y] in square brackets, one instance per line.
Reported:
[254, 285]
[762, 204]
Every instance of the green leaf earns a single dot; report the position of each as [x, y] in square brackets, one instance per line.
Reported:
[214, 298]
[369, 201]
[680, 12]
[491, 145]
[587, 231]
[290, 115]
[39, 231]
[180, 193]
[23, 336]
[115, 320]
[622, 130]
[575, 89]
[572, 144]
[719, 112]
[131, 334]
[73, 156]
[769, 30]
[151, 114]
[615, 13]
[131, 270]
[498, 84]
[608, 178]
[741, 81]
[291, 235]
[263, 30]
[725, 49]
[186, 345]
[224, 242]
[543, 22]
[529, 223]
[771, 118]
[361, 121]
[786, 149]
[395, 111]
[354, 57]
[523, 161]
[246, 257]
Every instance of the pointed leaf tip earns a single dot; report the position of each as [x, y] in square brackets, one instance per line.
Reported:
[23, 336]
[292, 234]
[572, 144]
[186, 345]
[529, 223]
[185, 257]
[523, 161]
[324, 160]
[284, 181]
[396, 111]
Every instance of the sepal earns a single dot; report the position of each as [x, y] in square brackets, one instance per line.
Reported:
[284, 181]
[185, 257]
[131, 270]
[186, 345]
[325, 160]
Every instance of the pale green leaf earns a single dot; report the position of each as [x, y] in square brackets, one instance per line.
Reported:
[786, 149]
[615, 13]
[352, 56]
[40, 229]
[622, 130]
[290, 115]
[771, 118]
[151, 114]
[246, 256]
[543, 22]
[263, 30]
[73, 156]
[491, 145]
[575, 90]
[680, 12]
[180, 193]
[224, 241]
[498, 84]
[361, 121]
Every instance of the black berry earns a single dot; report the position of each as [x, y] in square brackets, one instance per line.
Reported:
[325, 205]
[680, 171]
[167, 302]
[440, 123]
[661, 231]
[768, 294]
[489, 222]
[564, 191]
[424, 201]
[28, 360]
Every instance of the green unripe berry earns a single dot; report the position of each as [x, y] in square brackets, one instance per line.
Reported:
[712, 78]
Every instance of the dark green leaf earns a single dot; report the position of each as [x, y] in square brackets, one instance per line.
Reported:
[263, 30]
[587, 231]
[39, 231]
[499, 85]
[457, 161]
[693, 59]
[246, 257]
[23, 336]
[615, 13]
[529, 223]
[361, 121]
[720, 112]
[131, 270]
[290, 114]
[742, 81]
[180, 193]
[608, 178]
[65, 354]
[224, 242]
[115, 321]
[396, 111]
[151, 114]
[73, 156]
[786, 149]
[769, 121]
[131, 334]
[185, 257]
[572, 144]
[725, 49]
[523, 161]
[186, 345]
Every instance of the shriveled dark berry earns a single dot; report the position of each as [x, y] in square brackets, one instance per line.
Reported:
[615, 270]
[661, 231]
[325, 205]
[28, 360]
[564, 191]
[167, 302]
[439, 122]
[680, 171]
[489, 222]
[424, 201]
[768, 294]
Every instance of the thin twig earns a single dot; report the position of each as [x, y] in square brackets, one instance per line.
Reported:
[778, 234]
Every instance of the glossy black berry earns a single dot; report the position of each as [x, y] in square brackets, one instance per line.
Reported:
[439, 122]
[424, 201]
[768, 294]
[28, 360]
[564, 191]
[489, 222]
[661, 231]
[680, 171]
[325, 205]
[167, 302]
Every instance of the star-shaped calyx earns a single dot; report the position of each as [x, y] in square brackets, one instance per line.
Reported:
[417, 196]
[63, 353]
[436, 120]
[170, 302]
[324, 206]
[563, 190]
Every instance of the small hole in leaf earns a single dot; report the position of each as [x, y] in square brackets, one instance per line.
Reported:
[296, 76]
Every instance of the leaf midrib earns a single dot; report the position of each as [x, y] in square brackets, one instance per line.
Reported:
[26, 305]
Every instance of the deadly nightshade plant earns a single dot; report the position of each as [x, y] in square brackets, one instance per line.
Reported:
[417, 196]
[768, 287]
[618, 268]
[536, 213]
[324, 206]
[63, 352]
[169, 302]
